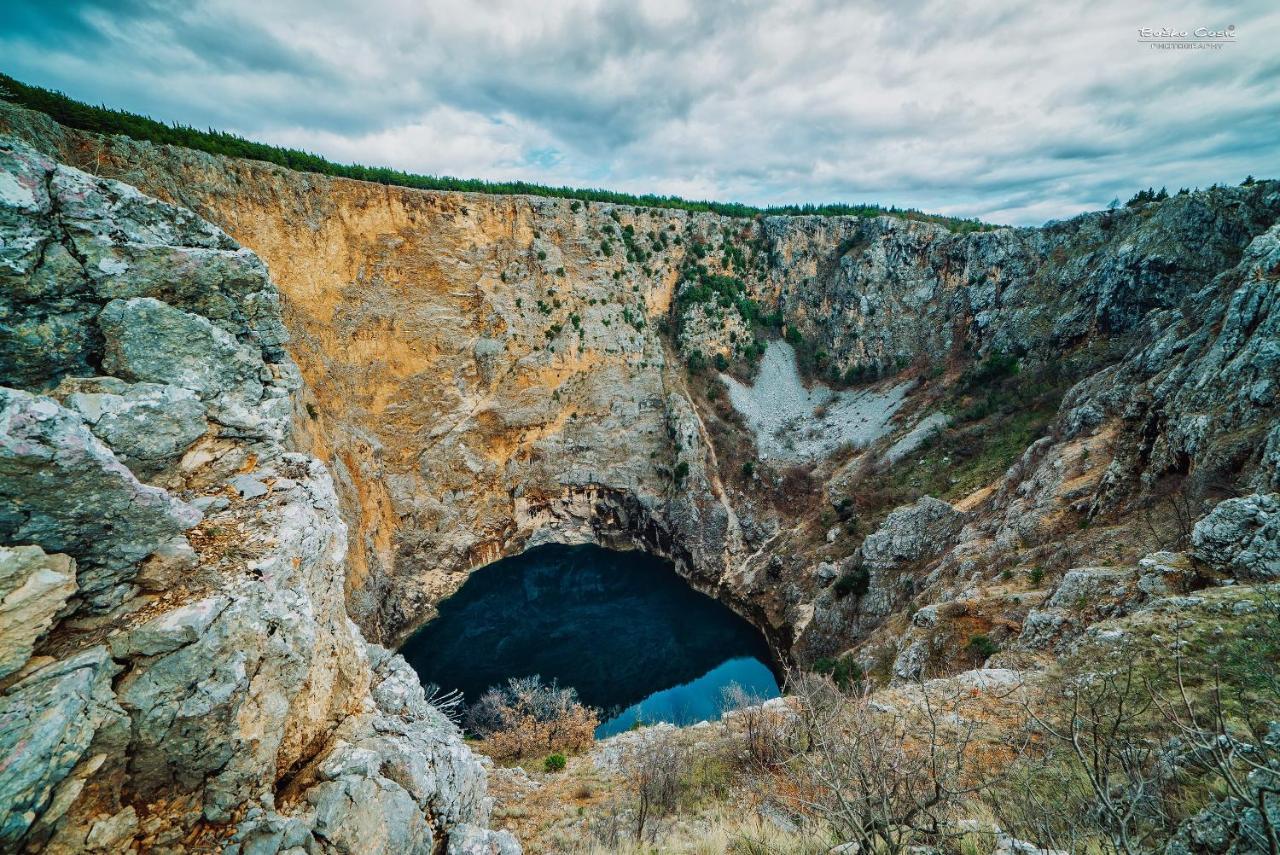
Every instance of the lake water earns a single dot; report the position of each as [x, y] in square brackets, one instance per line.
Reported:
[620, 627]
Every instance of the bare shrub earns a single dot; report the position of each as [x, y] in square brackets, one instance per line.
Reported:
[762, 736]
[884, 778]
[451, 704]
[653, 768]
[528, 717]
[1138, 752]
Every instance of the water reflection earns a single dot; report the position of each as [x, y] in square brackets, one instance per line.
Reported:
[621, 627]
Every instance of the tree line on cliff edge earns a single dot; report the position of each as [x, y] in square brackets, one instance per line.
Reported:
[104, 120]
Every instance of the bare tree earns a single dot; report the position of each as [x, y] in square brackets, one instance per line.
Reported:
[1130, 751]
[764, 735]
[1101, 742]
[886, 778]
[1236, 745]
[1246, 768]
[653, 769]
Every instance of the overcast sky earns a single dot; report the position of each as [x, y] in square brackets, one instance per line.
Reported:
[1012, 112]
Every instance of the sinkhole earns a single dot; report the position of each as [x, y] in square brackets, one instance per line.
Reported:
[622, 628]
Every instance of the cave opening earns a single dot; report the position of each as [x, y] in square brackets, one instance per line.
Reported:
[622, 628]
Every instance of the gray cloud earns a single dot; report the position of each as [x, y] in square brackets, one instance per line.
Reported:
[1005, 111]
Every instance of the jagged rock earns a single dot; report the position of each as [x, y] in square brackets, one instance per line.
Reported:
[277, 660]
[1232, 826]
[248, 487]
[232, 669]
[47, 722]
[392, 777]
[1163, 573]
[147, 425]
[134, 245]
[45, 326]
[1242, 537]
[910, 662]
[1093, 587]
[169, 631]
[1201, 396]
[911, 533]
[24, 200]
[147, 340]
[1084, 596]
[150, 341]
[470, 840]
[33, 588]
[62, 489]
[361, 812]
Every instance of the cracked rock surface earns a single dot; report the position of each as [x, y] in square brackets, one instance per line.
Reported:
[173, 679]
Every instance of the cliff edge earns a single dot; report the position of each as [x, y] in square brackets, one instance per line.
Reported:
[179, 670]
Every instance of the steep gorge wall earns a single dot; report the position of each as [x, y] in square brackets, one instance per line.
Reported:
[483, 375]
[480, 373]
[179, 669]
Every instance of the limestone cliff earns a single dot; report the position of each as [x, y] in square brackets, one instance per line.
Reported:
[179, 670]
[992, 428]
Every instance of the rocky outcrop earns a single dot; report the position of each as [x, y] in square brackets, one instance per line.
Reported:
[34, 587]
[1242, 536]
[61, 488]
[148, 425]
[896, 290]
[179, 670]
[911, 533]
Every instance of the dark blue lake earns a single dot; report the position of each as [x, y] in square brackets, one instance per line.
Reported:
[620, 627]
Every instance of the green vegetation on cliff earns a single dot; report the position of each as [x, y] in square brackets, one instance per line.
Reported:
[76, 114]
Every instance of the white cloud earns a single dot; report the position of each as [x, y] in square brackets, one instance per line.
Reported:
[1003, 110]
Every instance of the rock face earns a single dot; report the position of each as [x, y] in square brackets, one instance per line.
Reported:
[174, 679]
[33, 589]
[470, 375]
[1242, 536]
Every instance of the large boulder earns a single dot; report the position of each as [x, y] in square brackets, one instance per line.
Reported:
[147, 340]
[46, 326]
[1242, 537]
[147, 425]
[62, 489]
[1085, 596]
[33, 588]
[912, 533]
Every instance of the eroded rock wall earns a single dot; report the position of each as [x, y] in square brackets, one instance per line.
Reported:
[486, 372]
[179, 670]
